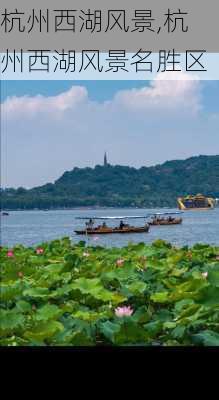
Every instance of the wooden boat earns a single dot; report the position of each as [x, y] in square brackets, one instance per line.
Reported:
[165, 218]
[165, 221]
[99, 231]
[104, 229]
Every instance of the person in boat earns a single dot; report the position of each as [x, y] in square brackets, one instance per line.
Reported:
[104, 225]
[90, 224]
[121, 225]
[156, 219]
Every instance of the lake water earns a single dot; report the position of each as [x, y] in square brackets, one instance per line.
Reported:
[34, 227]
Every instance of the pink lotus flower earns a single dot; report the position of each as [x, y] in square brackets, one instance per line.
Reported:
[96, 238]
[10, 253]
[39, 250]
[125, 311]
[85, 254]
[120, 262]
[205, 274]
[20, 274]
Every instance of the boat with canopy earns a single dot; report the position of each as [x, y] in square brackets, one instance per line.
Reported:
[165, 218]
[151, 219]
[91, 229]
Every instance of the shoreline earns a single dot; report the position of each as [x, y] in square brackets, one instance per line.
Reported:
[89, 208]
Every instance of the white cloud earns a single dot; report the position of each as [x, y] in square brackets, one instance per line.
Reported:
[162, 94]
[30, 106]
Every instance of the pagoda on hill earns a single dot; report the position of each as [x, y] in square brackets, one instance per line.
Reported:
[105, 163]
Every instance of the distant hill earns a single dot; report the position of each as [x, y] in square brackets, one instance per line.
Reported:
[121, 186]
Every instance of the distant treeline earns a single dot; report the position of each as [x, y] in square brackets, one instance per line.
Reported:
[121, 186]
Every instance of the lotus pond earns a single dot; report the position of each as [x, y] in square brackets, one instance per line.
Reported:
[64, 294]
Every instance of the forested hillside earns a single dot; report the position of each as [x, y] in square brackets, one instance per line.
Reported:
[121, 186]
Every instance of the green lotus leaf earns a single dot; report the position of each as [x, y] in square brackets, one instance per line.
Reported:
[56, 267]
[172, 343]
[206, 338]
[90, 316]
[178, 332]
[161, 297]
[44, 330]
[209, 296]
[36, 260]
[73, 260]
[23, 306]
[61, 291]
[163, 315]
[190, 310]
[183, 304]
[109, 330]
[178, 272]
[137, 288]
[69, 306]
[94, 288]
[190, 316]
[187, 290]
[123, 274]
[13, 341]
[142, 315]
[87, 285]
[10, 321]
[48, 312]
[213, 277]
[11, 290]
[169, 325]
[63, 338]
[79, 338]
[192, 285]
[153, 328]
[38, 292]
[50, 279]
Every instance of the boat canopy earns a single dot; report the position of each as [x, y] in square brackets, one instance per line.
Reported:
[121, 217]
[168, 213]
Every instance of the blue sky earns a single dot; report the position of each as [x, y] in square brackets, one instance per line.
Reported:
[98, 90]
[52, 126]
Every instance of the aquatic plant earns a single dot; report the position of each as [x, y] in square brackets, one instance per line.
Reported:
[77, 295]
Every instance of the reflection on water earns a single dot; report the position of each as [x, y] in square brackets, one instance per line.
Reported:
[32, 227]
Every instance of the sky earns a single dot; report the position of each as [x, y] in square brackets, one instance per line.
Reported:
[48, 127]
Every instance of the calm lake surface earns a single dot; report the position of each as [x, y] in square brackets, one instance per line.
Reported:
[33, 227]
